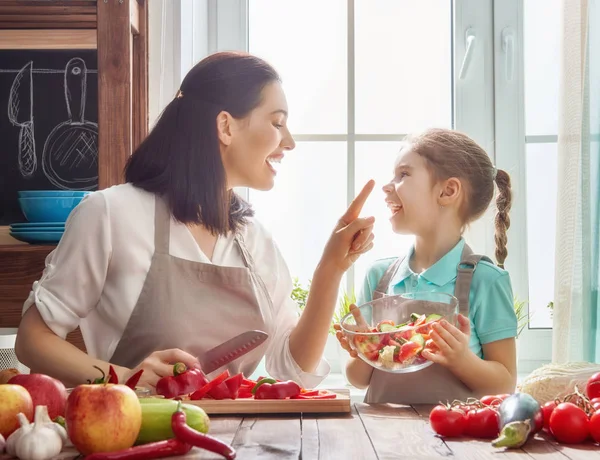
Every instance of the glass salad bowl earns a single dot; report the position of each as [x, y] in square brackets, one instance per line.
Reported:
[390, 333]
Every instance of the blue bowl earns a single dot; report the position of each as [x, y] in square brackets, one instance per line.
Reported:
[48, 209]
[37, 229]
[37, 237]
[34, 225]
[50, 193]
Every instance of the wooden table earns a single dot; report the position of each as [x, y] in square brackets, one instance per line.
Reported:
[370, 432]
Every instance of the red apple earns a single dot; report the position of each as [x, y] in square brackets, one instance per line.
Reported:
[44, 391]
[13, 399]
[103, 417]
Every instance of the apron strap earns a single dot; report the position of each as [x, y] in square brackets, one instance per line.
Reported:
[249, 263]
[385, 280]
[466, 269]
[162, 225]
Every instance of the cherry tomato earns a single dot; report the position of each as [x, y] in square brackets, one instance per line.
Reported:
[493, 400]
[595, 403]
[593, 386]
[483, 423]
[447, 422]
[595, 426]
[569, 424]
[547, 410]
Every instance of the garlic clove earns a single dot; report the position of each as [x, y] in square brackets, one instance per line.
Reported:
[2, 444]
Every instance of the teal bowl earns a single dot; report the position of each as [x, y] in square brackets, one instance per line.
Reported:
[50, 193]
[48, 209]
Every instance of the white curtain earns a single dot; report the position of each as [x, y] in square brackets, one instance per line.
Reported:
[576, 286]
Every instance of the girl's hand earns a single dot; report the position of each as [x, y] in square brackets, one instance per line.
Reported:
[452, 343]
[351, 237]
[361, 325]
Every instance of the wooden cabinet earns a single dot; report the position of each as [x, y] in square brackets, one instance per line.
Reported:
[118, 30]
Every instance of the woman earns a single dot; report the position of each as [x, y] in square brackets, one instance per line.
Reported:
[172, 263]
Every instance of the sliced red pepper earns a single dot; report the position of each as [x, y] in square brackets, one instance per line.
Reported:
[233, 384]
[199, 394]
[220, 392]
[134, 379]
[244, 393]
[247, 382]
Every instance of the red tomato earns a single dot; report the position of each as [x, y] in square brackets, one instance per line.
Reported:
[447, 422]
[502, 397]
[493, 400]
[547, 410]
[595, 426]
[596, 405]
[483, 423]
[569, 424]
[593, 386]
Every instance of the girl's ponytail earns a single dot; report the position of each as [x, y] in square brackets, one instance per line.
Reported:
[502, 220]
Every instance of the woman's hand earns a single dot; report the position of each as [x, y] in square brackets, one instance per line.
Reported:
[452, 343]
[160, 364]
[352, 236]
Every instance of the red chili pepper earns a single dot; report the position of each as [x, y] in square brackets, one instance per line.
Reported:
[112, 375]
[188, 435]
[160, 449]
[279, 390]
[182, 382]
[199, 394]
[134, 379]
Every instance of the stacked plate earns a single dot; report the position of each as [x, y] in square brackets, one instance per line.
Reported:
[46, 212]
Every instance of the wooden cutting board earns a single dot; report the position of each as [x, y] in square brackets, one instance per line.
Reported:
[275, 406]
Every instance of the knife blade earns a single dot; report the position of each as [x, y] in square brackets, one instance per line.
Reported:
[231, 350]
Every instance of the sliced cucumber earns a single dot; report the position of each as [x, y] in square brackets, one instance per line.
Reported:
[414, 316]
[386, 327]
[433, 317]
[418, 339]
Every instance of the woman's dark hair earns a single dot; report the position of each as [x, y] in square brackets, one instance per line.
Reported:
[180, 159]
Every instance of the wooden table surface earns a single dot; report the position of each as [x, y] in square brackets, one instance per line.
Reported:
[370, 432]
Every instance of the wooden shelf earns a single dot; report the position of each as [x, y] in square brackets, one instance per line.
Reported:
[119, 31]
[40, 39]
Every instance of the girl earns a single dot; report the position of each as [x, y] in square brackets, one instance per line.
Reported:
[442, 182]
[173, 263]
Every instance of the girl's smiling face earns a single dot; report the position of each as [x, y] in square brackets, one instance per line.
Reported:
[412, 196]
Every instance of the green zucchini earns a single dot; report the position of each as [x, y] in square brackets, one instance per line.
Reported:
[156, 419]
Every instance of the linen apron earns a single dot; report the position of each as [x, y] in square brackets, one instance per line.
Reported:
[434, 383]
[194, 306]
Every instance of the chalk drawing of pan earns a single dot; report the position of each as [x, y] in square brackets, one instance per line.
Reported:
[70, 157]
[20, 113]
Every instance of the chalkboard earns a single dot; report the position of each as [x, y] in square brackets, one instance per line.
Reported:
[48, 124]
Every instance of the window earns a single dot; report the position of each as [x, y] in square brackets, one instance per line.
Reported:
[353, 92]
[541, 73]
[360, 74]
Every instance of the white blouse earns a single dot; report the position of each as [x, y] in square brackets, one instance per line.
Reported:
[95, 275]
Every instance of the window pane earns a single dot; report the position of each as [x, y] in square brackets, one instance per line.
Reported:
[308, 198]
[542, 171]
[375, 160]
[403, 65]
[307, 43]
[542, 30]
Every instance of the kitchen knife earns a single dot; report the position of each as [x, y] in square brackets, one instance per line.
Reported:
[230, 350]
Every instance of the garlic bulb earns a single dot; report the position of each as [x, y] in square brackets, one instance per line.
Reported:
[13, 439]
[45, 419]
[42, 442]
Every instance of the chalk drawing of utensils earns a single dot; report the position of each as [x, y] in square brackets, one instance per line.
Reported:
[70, 156]
[20, 113]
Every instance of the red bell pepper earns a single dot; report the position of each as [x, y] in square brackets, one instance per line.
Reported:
[204, 390]
[277, 390]
[134, 379]
[182, 382]
[245, 393]
[220, 392]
